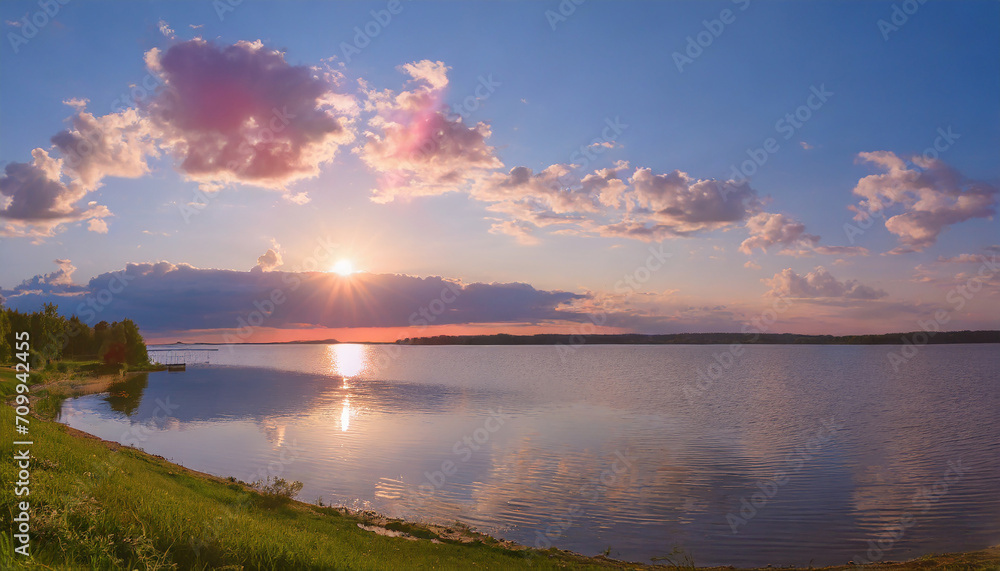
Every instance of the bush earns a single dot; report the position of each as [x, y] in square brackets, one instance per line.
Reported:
[277, 490]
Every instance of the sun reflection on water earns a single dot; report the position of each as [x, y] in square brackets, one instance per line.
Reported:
[348, 360]
[345, 415]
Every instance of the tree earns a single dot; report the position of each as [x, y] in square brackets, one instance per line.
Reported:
[135, 345]
[81, 339]
[112, 350]
[97, 341]
[53, 337]
[123, 344]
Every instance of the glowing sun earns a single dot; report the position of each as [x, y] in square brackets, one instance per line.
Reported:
[343, 267]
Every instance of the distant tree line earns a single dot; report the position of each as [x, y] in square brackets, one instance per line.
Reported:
[53, 337]
[703, 339]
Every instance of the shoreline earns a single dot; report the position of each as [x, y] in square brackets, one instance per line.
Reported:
[383, 525]
[372, 524]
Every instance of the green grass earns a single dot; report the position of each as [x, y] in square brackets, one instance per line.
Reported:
[7, 382]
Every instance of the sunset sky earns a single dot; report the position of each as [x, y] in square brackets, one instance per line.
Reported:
[501, 167]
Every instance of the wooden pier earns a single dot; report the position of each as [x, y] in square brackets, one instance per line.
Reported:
[176, 359]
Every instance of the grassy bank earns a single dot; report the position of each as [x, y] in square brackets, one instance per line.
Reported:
[98, 505]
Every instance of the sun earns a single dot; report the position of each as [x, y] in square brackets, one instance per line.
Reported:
[343, 267]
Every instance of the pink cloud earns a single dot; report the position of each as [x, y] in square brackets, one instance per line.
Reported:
[540, 192]
[59, 281]
[43, 194]
[676, 200]
[842, 251]
[608, 202]
[116, 144]
[97, 225]
[932, 194]
[819, 283]
[555, 195]
[36, 192]
[242, 114]
[235, 114]
[963, 259]
[268, 261]
[416, 146]
[768, 230]
[522, 231]
[37, 202]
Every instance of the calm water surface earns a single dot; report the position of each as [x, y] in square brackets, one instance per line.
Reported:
[793, 455]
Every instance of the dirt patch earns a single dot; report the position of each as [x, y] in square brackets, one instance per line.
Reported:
[386, 532]
[76, 386]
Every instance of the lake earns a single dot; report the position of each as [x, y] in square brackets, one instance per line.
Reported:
[751, 455]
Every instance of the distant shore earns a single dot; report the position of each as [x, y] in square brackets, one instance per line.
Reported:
[912, 338]
[906, 338]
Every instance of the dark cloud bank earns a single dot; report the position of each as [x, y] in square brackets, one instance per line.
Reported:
[167, 297]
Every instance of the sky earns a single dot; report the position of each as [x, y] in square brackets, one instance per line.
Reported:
[264, 171]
